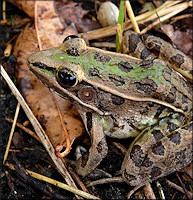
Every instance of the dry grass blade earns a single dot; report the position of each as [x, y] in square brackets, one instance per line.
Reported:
[36, 27]
[11, 133]
[161, 192]
[39, 130]
[141, 19]
[132, 16]
[174, 10]
[27, 130]
[118, 179]
[57, 183]
[178, 187]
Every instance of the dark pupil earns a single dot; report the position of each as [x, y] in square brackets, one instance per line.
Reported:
[66, 79]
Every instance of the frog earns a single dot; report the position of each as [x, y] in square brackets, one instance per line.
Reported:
[147, 97]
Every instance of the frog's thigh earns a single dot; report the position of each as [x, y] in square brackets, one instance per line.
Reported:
[97, 151]
[146, 162]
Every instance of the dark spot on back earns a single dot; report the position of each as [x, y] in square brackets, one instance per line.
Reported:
[145, 53]
[117, 80]
[94, 72]
[171, 97]
[154, 46]
[151, 104]
[146, 64]
[146, 85]
[156, 171]
[147, 162]
[177, 60]
[125, 66]
[101, 58]
[167, 74]
[158, 149]
[117, 100]
[157, 134]
[137, 155]
[171, 126]
[133, 41]
[175, 137]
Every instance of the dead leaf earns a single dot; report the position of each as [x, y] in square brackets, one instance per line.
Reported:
[50, 30]
[188, 176]
[183, 40]
[72, 12]
[26, 6]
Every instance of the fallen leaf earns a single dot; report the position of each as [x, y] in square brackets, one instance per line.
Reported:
[26, 6]
[72, 12]
[183, 40]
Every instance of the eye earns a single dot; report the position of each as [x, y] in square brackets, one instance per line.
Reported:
[66, 78]
[70, 37]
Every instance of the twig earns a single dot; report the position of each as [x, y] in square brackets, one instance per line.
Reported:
[56, 183]
[177, 187]
[11, 185]
[27, 130]
[118, 179]
[183, 186]
[141, 19]
[161, 193]
[174, 11]
[11, 133]
[132, 16]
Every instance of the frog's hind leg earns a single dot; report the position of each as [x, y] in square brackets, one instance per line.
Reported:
[158, 152]
[98, 150]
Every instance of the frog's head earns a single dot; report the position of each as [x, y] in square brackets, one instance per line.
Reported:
[59, 71]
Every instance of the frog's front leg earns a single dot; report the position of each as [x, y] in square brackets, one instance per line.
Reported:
[98, 150]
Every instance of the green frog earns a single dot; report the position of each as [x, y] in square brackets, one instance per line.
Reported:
[121, 96]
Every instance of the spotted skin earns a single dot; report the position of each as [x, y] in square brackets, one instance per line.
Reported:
[117, 80]
[101, 58]
[146, 85]
[153, 162]
[123, 97]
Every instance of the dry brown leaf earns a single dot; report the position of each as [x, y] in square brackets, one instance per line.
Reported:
[188, 176]
[182, 40]
[39, 97]
[26, 6]
[72, 12]
[50, 29]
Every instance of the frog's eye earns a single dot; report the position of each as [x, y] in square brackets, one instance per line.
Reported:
[70, 37]
[66, 78]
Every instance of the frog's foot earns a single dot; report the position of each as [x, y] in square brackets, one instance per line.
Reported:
[89, 161]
